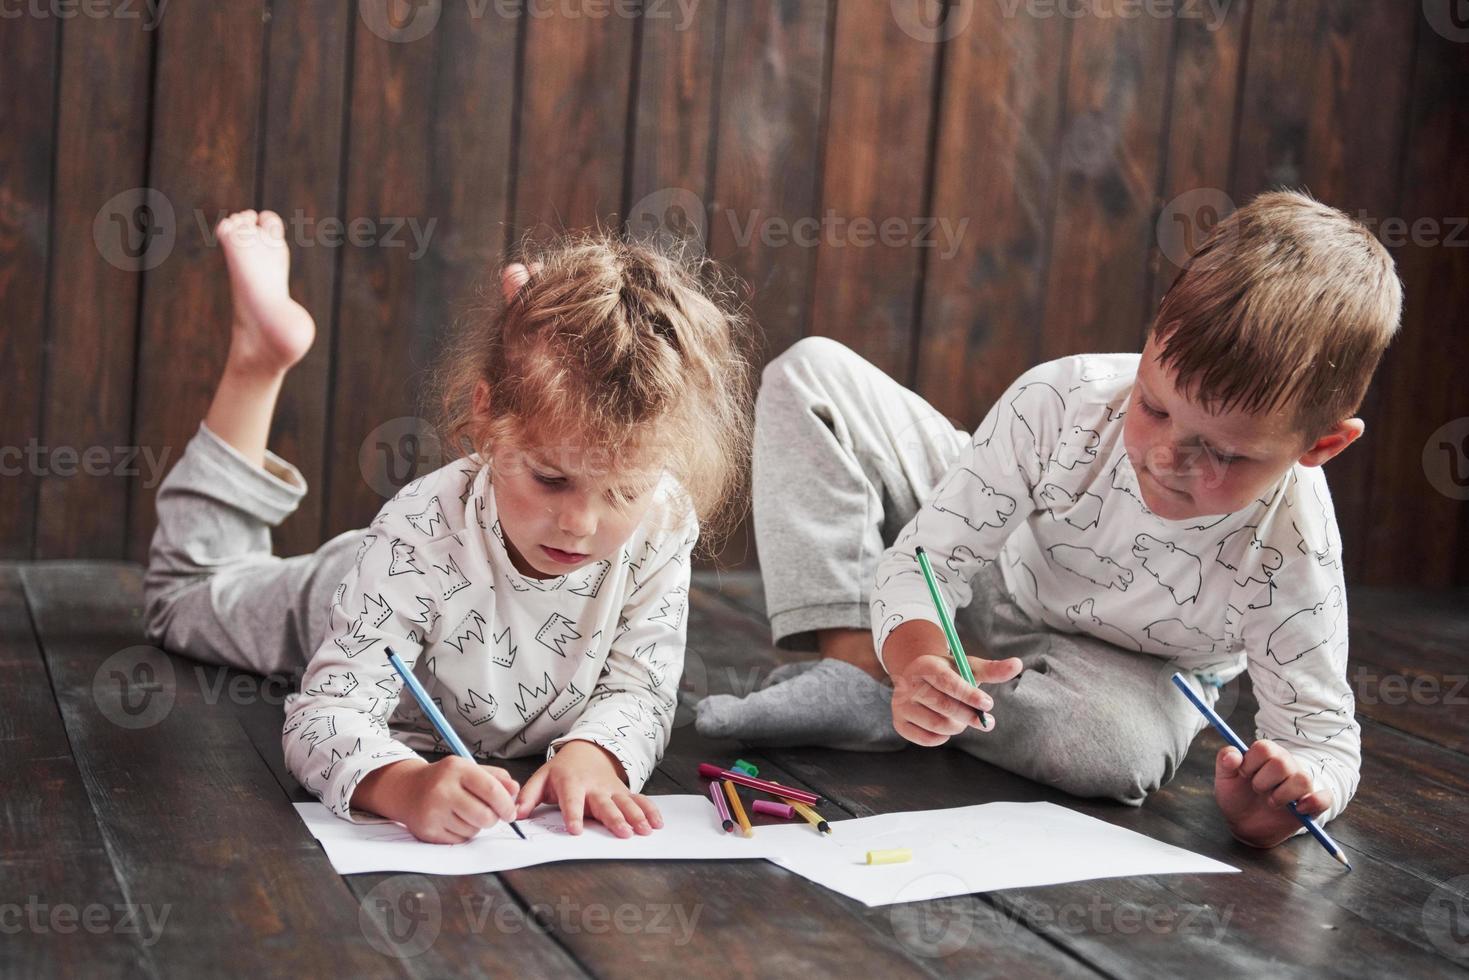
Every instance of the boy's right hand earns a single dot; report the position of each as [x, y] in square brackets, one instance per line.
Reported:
[444, 802]
[931, 702]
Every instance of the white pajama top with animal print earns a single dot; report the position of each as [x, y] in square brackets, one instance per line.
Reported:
[517, 665]
[1046, 488]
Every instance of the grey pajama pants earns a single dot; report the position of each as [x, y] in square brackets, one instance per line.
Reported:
[213, 590]
[844, 457]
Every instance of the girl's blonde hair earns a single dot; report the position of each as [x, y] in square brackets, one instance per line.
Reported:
[618, 345]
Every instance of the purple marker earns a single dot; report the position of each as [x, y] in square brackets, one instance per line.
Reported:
[717, 795]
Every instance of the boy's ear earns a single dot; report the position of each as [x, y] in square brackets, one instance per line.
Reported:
[1342, 435]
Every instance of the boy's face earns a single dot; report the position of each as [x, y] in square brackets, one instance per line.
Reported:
[1192, 463]
[563, 508]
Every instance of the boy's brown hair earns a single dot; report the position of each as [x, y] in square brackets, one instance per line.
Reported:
[622, 347]
[1287, 305]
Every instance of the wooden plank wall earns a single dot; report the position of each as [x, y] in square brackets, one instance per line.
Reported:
[1048, 143]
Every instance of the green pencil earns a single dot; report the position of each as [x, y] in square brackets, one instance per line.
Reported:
[956, 650]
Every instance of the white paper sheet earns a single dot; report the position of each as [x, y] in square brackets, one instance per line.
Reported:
[955, 852]
[691, 831]
[978, 849]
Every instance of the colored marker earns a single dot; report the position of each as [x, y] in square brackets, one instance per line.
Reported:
[1229, 736]
[956, 649]
[812, 817]
[432, 712]
[738, 808]
[773, 809]
[710, 771]
[896, 855]
[748, 768]
[716, 793]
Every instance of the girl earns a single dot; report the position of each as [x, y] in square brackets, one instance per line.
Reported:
[537, 585]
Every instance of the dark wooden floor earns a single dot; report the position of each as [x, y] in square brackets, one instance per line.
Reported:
[146, 831]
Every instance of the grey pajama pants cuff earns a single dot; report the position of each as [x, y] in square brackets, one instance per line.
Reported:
[213, 590]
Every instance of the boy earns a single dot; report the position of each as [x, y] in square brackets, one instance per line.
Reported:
[1113, 519]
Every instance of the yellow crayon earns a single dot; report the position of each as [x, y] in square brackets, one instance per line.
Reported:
[738, 809]
[896, 855]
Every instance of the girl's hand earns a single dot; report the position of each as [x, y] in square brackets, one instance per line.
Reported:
[584, 776]
[1252, 792]
[444, 802]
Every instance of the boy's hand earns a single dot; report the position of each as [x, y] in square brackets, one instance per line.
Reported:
[444, 802]
[931, 702]
[1252, 791]
[583, 776]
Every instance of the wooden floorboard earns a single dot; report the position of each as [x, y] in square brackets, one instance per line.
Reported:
[189, 812]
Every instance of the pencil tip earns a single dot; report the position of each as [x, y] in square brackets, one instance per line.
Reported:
[1343, 859]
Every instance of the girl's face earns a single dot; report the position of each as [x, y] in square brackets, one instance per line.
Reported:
[565, 507]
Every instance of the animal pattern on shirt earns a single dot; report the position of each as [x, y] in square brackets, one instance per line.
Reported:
[516, 664]
[1046, 489]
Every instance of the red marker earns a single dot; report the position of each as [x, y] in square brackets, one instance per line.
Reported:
[710, 771]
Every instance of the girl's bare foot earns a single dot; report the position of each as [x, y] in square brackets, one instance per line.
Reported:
[270, 331]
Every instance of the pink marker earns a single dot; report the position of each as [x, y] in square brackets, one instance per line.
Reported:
[783, 810]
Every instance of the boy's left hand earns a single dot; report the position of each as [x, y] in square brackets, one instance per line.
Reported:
[1252, 791]
[584, 777]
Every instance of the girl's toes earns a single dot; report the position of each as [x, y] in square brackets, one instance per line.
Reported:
[272, 224]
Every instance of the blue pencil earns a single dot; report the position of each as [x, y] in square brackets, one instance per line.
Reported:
[446, 731]
[1229, 736]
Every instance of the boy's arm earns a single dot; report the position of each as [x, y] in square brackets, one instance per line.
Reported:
[1295, 635]
[979, 502]
[336, 730]
[629, 713]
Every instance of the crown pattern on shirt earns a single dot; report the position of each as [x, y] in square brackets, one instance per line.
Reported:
[319, 729]
[534, 700]
[354, 641]
[670, 613]
[336, 685]
[454, 580]
[560, 711]
[592, 583]
[505, 649]
[368, 539]
[638, 568]
[336, 758]
[469, 635]
[556, 632]
[404, 560]
[428, 613]
[469, 473]
[594, 645]
[375, 609]
[478, 709]
[430, 520]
